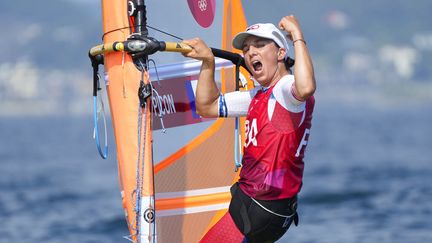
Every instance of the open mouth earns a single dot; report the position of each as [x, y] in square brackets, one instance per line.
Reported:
[257, 66]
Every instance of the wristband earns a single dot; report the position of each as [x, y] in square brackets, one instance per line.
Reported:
[299, 40]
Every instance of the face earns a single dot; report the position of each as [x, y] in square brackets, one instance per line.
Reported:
[262, 57]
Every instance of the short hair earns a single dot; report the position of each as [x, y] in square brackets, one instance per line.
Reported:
[289, 62]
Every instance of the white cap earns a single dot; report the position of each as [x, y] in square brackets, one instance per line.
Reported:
[266, 30]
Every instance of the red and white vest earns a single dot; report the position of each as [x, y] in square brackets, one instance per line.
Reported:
[274, 149]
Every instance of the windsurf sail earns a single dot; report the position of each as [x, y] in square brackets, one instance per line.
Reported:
[175, 168]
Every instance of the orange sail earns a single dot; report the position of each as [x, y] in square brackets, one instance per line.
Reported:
[175, 168]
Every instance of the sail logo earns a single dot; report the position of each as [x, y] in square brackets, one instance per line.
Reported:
[203, 11]
[202, 5]
[163, 104]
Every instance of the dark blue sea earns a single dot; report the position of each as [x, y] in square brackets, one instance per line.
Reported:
[368, 178]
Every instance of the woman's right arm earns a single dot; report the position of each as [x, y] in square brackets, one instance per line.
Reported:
[207, 93]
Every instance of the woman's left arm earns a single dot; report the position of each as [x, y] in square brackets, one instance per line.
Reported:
[305, 83]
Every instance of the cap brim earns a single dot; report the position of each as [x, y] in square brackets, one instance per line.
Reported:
[241, 37]
[239, 40]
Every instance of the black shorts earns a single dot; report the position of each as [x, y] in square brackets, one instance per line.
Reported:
[257, 224]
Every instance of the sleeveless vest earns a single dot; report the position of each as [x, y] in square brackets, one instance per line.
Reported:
[274, 149]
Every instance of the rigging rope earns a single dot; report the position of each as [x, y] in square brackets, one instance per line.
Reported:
[135, 26]
[142, 111]
[164, 32]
